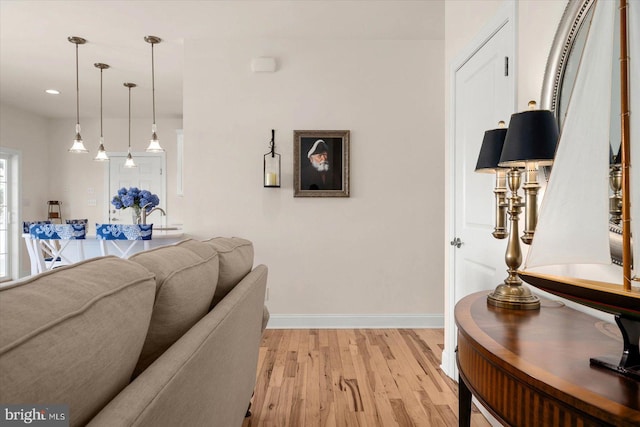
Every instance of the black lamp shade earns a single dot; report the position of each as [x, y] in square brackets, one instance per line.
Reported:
[532, 137]
[490, 151]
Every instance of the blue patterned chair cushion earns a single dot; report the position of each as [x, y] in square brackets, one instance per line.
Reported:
[27, 224]
[58, 231]
[123, 231]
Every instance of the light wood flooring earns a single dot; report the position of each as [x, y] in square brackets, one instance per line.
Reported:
[354, 377]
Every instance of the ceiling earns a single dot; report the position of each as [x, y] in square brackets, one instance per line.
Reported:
[35, 54]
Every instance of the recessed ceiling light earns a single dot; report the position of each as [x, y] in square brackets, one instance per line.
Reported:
[52, 92]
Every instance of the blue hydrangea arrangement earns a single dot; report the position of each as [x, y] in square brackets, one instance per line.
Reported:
[135, 198]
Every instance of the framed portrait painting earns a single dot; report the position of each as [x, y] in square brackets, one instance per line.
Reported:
[321, 163]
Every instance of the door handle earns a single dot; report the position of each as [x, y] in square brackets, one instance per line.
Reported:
[456, 242]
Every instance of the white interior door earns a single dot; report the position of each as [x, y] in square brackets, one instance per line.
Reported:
[483, 94]
[149, 175]
[483, 98]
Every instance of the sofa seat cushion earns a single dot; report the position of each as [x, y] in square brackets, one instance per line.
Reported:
[73, 335]
[185, 284]
[236, 261]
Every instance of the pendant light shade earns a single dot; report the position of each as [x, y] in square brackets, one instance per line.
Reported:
[101, 156]
[129, 163]
[154, 144]
[78, 144]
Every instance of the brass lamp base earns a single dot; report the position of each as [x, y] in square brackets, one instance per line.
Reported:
[517, 297]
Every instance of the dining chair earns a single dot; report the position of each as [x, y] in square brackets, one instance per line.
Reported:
[123, 237]
[29, 243]
[50, 245]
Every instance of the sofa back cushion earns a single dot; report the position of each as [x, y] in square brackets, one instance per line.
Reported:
[73, 335]
[236, 261]
[201, 249]
[185, 283]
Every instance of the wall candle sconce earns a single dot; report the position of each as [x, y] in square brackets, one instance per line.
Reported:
[530, 142]
[272, 165]
[488, 159]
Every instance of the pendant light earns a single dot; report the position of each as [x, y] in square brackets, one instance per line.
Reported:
[78, 145]
[154, 144]
[102, 155]
[129, 163]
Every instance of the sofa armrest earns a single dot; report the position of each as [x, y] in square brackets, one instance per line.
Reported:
[207, 377]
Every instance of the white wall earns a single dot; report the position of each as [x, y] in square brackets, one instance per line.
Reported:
[377, 252]
[27, 134]
[537, 23]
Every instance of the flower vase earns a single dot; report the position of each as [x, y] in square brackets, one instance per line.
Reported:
[136, 214]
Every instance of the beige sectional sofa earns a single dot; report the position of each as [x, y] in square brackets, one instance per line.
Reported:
[168, 337]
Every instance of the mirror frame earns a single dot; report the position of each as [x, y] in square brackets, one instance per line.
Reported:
[570, 23]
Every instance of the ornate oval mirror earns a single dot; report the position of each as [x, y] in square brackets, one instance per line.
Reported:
[562, 66]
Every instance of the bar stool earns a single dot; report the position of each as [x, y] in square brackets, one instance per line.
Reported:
[49, 244]
[123, 237]
[54, 210]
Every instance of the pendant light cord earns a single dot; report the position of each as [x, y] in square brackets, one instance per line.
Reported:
[77, 90]
[153, 84]
[129, 119]
[101, 102]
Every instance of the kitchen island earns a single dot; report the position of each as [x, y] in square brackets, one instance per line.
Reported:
[77, 250]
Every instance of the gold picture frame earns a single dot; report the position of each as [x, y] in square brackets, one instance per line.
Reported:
[321, 163]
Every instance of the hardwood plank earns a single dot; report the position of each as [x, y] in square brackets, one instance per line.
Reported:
[354, 378]
[400, 413]
[326, 386]
[312, 398]
[277, 373]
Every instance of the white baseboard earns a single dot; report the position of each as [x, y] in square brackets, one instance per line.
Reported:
[448, 364]
[355, 321]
